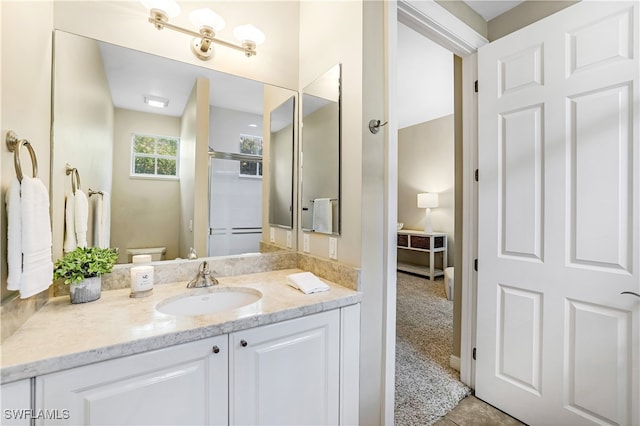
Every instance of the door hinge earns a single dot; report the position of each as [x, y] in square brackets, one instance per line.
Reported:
[475, 175]
[475, 86]
[475, 265]
[473, 355]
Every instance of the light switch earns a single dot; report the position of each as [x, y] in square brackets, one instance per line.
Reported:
[305, 243]
[288, 239]
[333, 248]
[272, 235]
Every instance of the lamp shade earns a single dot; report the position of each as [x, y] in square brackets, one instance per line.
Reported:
[427, 200]
[207, 18]
[249, 33]
[168, 7]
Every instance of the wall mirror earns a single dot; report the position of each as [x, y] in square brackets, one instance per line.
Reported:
[124, 120]
[281, 148]
[320, 159]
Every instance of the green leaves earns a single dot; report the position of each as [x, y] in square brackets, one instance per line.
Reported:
[85, 262]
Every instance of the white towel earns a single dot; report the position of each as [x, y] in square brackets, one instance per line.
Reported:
[37, 266]
[306, 282]
[70, 242]
[81, 219]
[14, 236]
[322, 215]
[102, 220]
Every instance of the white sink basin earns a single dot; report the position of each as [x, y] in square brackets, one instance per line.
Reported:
[209, 301]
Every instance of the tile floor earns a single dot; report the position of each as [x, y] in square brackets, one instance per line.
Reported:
[473, 412]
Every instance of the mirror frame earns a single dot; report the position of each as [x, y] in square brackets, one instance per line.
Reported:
[312, 87]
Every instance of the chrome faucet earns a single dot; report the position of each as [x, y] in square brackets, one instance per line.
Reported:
[204, 277]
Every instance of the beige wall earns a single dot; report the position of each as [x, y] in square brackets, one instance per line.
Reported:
[144, 212]
[319, 51]
[466, 15]
[26, 109]
[83, 123]
[426, 155]
[125, 23]
[522, 15]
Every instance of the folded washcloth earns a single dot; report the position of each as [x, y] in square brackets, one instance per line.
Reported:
[14, 236]
[306, 282]
[37, 265]
[81, 219]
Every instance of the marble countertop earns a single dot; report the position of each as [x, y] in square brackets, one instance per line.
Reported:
[61, 335]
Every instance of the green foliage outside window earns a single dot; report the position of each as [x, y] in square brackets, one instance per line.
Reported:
[154, 155]
[251, 145]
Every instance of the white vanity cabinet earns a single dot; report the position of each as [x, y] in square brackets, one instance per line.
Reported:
[286, 373]
[183, 384]
[303, 371]
[16, 403]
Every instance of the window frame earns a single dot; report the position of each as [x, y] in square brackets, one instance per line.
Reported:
[133, 155]
[259, 164]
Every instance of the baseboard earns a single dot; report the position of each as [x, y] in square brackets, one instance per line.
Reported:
[454, 362]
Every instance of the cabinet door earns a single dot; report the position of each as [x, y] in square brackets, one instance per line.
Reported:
[286, 373]
[16, 403]
[179, 385]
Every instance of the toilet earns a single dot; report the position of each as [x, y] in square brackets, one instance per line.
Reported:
[448, 282]
[157, 253]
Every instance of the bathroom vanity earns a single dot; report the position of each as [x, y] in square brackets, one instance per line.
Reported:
[289, 358]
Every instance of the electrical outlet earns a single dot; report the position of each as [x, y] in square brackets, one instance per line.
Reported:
[289, 239]
[333, 248]
[272, 235]
[305, 243]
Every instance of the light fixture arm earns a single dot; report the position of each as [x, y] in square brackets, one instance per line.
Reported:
[160, 21]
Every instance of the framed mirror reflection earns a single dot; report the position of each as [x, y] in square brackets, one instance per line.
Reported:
[145, 131]
[320, 158]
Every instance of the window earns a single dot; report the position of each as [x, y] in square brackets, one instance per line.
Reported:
[251, 145]
[154, 156]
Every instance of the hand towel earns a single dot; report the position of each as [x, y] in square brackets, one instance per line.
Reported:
[81, 218]
[70, 242]
[322, 215]
[14, 236]
[102, 220]
[306, 282]
[37, 265]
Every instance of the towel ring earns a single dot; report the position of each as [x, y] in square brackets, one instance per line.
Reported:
[15, 144]
[75, 177]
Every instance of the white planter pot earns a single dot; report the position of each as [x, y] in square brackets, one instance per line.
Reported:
[86, 290]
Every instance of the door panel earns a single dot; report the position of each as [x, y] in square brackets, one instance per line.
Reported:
[559, 222]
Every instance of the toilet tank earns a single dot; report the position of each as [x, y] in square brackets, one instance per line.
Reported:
[157, 253]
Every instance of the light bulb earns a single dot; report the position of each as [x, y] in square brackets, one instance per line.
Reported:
[207, 18]
[249, 33]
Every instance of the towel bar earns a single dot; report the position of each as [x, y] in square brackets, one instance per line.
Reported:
[14, 144]
[92, 192]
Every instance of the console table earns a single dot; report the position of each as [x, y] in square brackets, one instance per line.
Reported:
[431, 243]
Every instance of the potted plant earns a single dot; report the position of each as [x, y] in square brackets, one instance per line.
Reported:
[82, 270]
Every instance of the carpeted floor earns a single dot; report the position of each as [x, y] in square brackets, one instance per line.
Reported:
[426, 386]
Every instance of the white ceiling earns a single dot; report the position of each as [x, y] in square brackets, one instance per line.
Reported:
[490, 9]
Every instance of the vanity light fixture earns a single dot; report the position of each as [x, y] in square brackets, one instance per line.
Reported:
[208, 23]
[156, 101]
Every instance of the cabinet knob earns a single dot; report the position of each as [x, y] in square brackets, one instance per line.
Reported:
[243, 343]
[215, 350]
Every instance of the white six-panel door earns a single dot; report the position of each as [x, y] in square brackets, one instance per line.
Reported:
[559, 221]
